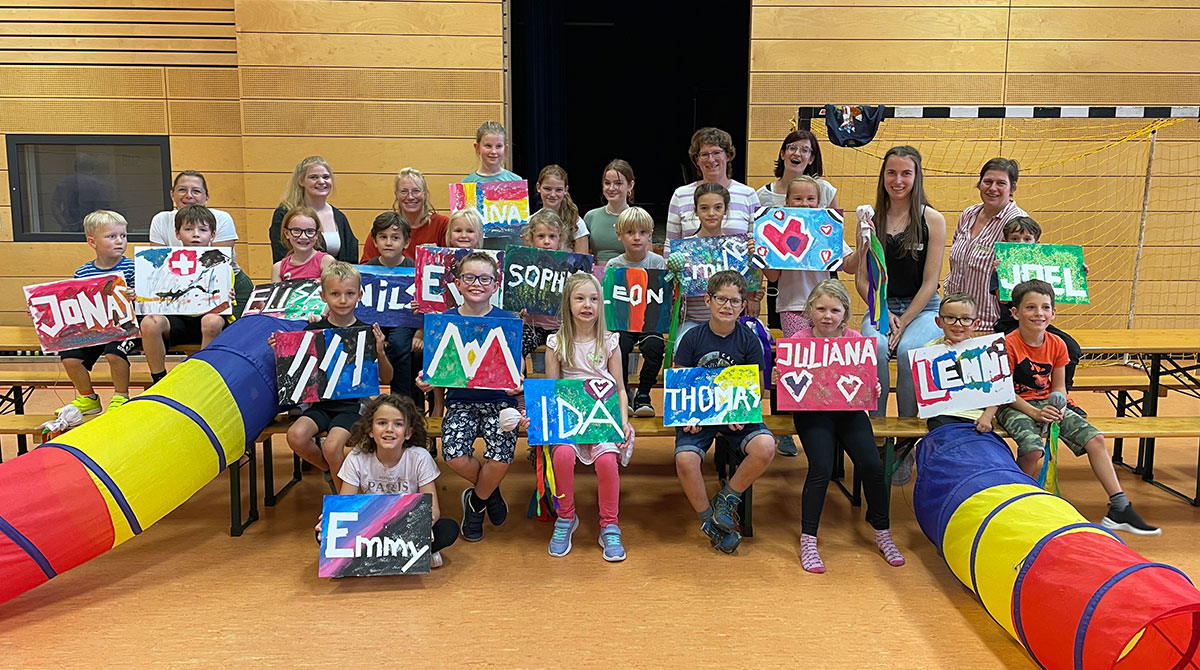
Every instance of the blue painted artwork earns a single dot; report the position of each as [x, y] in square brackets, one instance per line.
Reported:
[712, 396]
[792, 238]
[377, 534]
[573, 411]
[389, 296]
[329, 364]
[474, 352]
[699, 258]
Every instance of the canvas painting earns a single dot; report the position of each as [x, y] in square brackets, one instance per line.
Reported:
[706, 256]
[534, 278]
[294, 300]
[78, 313]
[1060, 265]
[972, 374]
[825, 373]
[792, 238]
[712, 396]
[183, 280]
[504, 205]
[638, 300]
[375, 535]
[389, 296]
[329, 364]
[436, 291]
[472, 351]
[573, 411]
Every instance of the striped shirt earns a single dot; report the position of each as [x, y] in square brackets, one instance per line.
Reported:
[971, 259]
[124, 266]
[682, 220]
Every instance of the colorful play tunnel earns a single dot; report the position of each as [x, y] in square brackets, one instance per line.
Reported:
[106, 481]
[1070, 591]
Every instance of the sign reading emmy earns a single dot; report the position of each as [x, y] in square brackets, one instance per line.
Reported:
[376, 535]
[573, 411]
[834, 373]
[712, 396]
[972, 374]
[78, 313]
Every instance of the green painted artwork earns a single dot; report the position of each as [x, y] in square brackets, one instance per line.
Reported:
[1060, 265]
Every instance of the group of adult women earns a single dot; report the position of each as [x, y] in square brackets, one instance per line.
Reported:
[909, 227]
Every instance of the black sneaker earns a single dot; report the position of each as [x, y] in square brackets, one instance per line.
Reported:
[1128, 521]
[725, 511]
[472, 521]
[642, 407]
[786, 446]
[497, 509]
[1076, 408]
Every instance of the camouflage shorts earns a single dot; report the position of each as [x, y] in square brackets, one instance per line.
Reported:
[1073, 431]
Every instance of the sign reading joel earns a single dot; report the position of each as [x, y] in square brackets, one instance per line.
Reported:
[1060, 265]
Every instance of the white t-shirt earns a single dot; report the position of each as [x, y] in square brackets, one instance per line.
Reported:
[652, 261]
[162, 228]
[415, 469]
[333, 242]
[769, 198]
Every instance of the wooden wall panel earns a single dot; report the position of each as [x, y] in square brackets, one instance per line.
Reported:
[370, 18]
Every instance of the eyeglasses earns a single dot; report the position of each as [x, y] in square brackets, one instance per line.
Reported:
[722, 300]
[302, 232]
[183, 190]
[957, 320]
[404, 192]
[716, 153]
[802, 149]
[482, 280]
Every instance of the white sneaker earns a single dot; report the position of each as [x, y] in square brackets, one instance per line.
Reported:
[435, 560]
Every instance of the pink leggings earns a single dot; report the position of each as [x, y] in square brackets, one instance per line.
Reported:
[608, 483]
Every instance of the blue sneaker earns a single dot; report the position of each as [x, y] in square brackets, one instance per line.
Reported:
[730, 542]
[715, 535]
[610, 540]
[786, 446]
[726, 542]
[724, 507]
[560, 541]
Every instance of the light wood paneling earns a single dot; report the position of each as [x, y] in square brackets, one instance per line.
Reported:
[362, 155]
[323, 83]
[898, 23]
[366, 119]
[1100, 56]
[391, 51]
[207, 153]
[876, 56]
[26, 81]
[370, 18]
[1095, 23]
[116, 117]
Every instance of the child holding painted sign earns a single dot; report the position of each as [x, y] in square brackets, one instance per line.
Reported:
[546, 230]
[584, 349]
[711, 202]
[554, 189]
[106, 234]
[491, 145]
[464, 230]
[1038, 360]
[1024, 230]
[341, 288]
[475, 413]
[390, 232]
[718, 343]
[195, 226]
[828, 309]
[389, 456]
[306, 257]
[635, 227]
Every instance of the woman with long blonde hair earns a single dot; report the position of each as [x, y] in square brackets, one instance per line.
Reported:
[309, 186]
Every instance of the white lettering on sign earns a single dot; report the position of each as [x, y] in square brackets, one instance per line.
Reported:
[1061, 278]
[95, 310]
[817, 354]
[381, 295]
[709, 399]
[505, 214]
[733, 257]
[572, 422]
[539, 278]
[636, 294]
[371, 547]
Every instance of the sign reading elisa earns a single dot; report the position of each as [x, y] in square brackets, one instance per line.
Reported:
[330, 364]
[473, 352]
[1060, 265]
[377, 534]
[295, 300]
[637, 300]
[388, 295]
[534, 278]
[706, 256]
[793, 238]
[573, 411]
[504, 205]
[972, 374]
[183, 280]
[834, 373]
[712, 396]
[78, 313]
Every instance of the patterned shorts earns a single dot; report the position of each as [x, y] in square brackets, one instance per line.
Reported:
[1073, 431]
[466, 421]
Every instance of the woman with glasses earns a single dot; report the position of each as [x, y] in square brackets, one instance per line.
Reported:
[800, 154]
[309, 186]
[412, 202]
[710, 152]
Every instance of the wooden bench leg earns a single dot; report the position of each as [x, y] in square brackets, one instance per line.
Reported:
[1193, 501]
[271, 496]
[238, 525]
[18, 401]
[839, 473]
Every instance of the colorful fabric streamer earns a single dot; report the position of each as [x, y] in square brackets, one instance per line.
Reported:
[544, 502]
[675, 263]
[877, 278]
[1048, 477]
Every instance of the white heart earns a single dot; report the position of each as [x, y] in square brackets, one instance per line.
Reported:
[600, 387]
[792, 380]
[848, 380]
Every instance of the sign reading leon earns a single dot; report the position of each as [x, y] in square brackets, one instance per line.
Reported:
[573, 411]
[78, 313]
[1060, 265]
[637, 300]
[972, 374]
[712, 396]
[836, 373]
[378, 534]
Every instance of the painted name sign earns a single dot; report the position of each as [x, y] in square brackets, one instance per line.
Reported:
[183, 280]
[703, 257]
[972, 374]
[78, 313]
[436, 291]
[329, 364]
[377, 534]
[573, 411]
[712, 396]
[637, 300]
[791, 238]
[473, 352]
[295, 300]
[388, 296]
[1060, 265]
[534, 278]
[504, 205]
[827, 373]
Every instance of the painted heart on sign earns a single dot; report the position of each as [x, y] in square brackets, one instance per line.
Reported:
[849, 385]
[826, 230]
[797, 383]
[826, 254]
[778, 215]
[788, 241]
[600, 387]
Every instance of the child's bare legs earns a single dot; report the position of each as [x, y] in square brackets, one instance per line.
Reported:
[155, 331]
[759, 454]
[1102, 467]
[300, 438]
[119, 369]
[334, 450]
[485, 478]
[1030, 463]
[211, 325]
[80, 378]
[687, 467]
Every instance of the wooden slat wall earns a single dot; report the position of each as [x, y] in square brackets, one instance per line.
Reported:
[1018, 52]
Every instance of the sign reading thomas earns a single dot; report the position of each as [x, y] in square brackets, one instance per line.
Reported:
[637, 300]
[573, 411]
[388, 296]
[504, 205]
[972, 374]
[375, 535]
[534, 278]
[1060, 265]
[793, 238]
[712, 396]
[704, 257]
[295, 300]
[833, 373]
[78, 313]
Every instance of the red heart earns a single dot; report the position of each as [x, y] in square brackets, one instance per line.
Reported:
[826, 254]
[791, 241]
[778, 214]
[826, 230]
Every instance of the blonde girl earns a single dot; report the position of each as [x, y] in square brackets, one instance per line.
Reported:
[464, 230]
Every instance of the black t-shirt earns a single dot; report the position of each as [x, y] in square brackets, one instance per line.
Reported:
[341, 405]
[1007, 323]
[702, 348]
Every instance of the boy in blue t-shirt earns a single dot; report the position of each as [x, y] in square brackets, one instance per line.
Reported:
[106, 233]
[719, 343]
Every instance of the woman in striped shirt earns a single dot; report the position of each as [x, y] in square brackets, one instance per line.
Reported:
[980, 227]
[710, 151]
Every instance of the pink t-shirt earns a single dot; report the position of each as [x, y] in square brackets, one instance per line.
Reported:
[846, 332]
[309, 270]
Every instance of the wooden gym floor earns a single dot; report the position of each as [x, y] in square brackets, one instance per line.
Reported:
[186, 594]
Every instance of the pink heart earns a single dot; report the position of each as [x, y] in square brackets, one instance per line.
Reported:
[600, 387]
[778, 214]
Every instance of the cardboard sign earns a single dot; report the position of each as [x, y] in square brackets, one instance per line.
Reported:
[374, 535]
[638, 300]
[78, 313]
[504, 205]
[295, 300]
[534, 278]
[1060, 265]
[792, 238]
[475, 352]
[573, 411]
[972, 374]
[436, 291]
[183, 280]
[712, 396]
[706, 256]
[329, 364]
[388, 296]
[836, 373]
